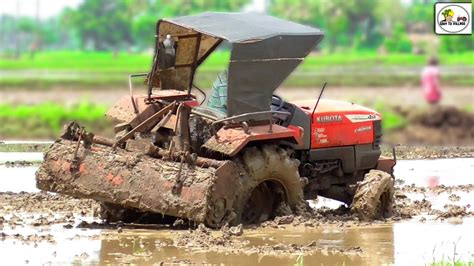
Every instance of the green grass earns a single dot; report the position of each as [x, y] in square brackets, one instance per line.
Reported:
[138, 62]
[47, 119]
[103, 69]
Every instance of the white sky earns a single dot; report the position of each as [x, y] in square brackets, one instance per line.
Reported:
[47, 8]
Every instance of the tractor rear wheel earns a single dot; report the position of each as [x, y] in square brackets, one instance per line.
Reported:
[374, 196]
[270, 185]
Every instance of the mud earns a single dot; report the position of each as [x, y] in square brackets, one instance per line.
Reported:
[18, 163]
[225, 241]
[130, 179]
[46, 227]
[373, 198]
[43, 211]
[440, 125]
[404, 152]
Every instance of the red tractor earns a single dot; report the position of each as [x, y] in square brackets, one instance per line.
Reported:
[244, 155]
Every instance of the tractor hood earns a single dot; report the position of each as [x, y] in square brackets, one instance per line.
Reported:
[264, 51]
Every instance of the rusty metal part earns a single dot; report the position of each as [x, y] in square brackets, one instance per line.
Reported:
[386, 164]
[123, 110]
[256, 116]
[179, 179]
[230, 141]
[195, 61]
[103, 141]
[181, 139]
[139, 181]
[163, 121]
[75, 159]
[130, 87]
[155, 152]
[151, 120]
[121, 127]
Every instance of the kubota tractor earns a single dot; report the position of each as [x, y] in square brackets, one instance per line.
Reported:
[244, 155]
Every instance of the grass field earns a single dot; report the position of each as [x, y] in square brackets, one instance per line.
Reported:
[132, 62]
[87, 70]
[46, 120]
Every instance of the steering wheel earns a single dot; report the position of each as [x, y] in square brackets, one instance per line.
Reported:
[277, 101]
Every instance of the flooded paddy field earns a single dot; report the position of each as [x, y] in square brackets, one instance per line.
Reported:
[433, 222]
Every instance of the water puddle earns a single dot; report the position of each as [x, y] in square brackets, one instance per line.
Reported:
[448, 172]
[18, 179]
[399, 243]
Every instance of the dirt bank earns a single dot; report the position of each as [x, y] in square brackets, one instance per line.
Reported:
[416, 152]
[439, 125]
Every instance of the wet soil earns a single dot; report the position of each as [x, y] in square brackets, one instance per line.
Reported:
[47, 209]
[438, 125]
[50, 225]
[406, 152]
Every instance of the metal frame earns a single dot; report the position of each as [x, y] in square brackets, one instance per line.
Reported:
[130, 88]
[247, 117]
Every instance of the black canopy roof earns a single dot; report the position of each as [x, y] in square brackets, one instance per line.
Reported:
[265, 50]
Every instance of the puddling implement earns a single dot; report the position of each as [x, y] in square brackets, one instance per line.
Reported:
[245, 155]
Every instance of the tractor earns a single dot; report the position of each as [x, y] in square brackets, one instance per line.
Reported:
[243, 155]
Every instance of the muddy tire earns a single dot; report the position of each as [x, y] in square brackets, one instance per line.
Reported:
[270, 185]
[374, 196]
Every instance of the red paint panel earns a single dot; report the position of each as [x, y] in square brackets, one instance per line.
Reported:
[334, 129]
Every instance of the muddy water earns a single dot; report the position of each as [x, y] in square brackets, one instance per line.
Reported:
[400, 243]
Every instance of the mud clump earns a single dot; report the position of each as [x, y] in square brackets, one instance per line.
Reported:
[452, 211]
[447, 117]
[373, 198]
[454, 197]
[33, 239]
[11, 164]
[441, 125]
[42, 209]
[437, 189]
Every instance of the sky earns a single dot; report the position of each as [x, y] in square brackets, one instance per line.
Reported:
[47, 8]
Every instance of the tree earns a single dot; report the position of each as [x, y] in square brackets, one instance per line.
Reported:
[347, 23]
[103, 24]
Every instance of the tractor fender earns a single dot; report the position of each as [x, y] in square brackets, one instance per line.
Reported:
[231, 141]
[386, 164]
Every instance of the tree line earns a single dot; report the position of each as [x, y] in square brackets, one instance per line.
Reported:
[390, 25]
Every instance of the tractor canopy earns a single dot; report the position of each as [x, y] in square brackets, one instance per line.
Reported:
[264, 51]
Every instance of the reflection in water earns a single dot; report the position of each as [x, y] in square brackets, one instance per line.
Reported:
[142, 247]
